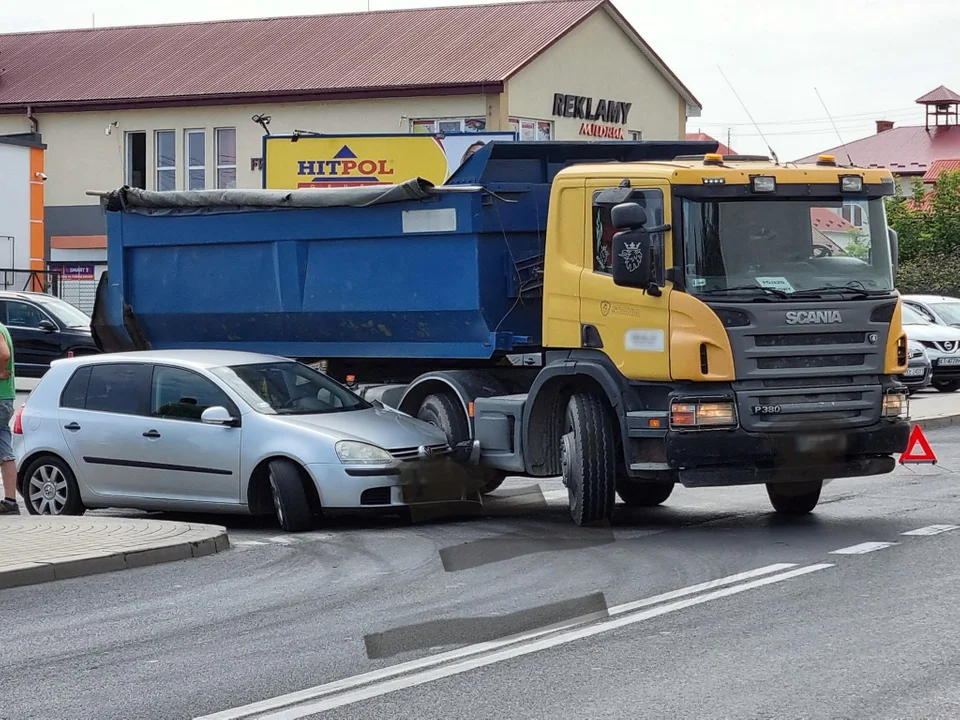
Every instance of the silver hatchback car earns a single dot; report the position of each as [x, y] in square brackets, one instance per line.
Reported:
[221, 431]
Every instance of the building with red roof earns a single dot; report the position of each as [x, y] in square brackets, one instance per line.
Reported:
[703, 137]
[171, 106]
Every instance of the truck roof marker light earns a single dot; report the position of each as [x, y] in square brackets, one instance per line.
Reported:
[714, 181]
[713, 159]
[830, 160]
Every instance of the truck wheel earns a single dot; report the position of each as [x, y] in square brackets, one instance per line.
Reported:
[289, 498]
[587, 459]
[641, 494]
[443, 411]
[794, 498]
[947, 385]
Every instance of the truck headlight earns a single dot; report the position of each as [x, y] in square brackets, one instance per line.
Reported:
[764, 183]
[851, 183]
[684, 414]
[895, 405]
[351, 452]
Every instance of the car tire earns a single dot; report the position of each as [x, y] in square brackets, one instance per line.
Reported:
[443, 411]
[587, 459]
[644, 494]
[45, 481]
[289, 497]
[947, 386]
[795, 498]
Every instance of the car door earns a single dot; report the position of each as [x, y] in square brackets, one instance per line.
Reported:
[632, 324]
[190, 460]
[34, 347]
[102, 416]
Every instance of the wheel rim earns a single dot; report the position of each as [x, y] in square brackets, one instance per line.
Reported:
[278, 506]
[48, 490]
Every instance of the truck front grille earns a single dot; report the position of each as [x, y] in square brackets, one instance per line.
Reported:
[787, 340]
[805, 404]
[809, 361]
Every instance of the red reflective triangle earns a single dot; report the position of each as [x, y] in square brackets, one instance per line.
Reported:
[926, 452]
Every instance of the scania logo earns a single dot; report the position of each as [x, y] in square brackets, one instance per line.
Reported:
[813, 317]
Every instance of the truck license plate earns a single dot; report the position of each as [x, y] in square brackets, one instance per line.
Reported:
[949, 361]
[914, 372]
[820, 443]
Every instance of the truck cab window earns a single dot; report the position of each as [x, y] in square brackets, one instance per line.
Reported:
[603, 232]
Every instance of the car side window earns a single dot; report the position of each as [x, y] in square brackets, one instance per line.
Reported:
[119, 388]
[179, 394]
[74, 393]
[603, 231]
[21, 314]
[924, 312]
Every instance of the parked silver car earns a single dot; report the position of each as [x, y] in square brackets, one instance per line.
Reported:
[942, 344]
[938, 309]
[220, 431]
[919, 372]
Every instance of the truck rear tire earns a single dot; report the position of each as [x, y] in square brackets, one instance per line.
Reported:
[641, 494]
[443, 411]
[587, 459]
[795, 498]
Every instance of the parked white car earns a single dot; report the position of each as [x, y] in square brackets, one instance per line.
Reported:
[938, 309]
[942, 344]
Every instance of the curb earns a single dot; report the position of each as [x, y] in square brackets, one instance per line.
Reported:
[95, 563]
[940, 421]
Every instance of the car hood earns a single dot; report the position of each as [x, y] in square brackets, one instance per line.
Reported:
[934, 333]
[385, 428]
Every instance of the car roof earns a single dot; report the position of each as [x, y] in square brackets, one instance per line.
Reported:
[24, 295]
[189, 358]
[932, 299]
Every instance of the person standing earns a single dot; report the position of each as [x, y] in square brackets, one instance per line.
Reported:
[8, 393]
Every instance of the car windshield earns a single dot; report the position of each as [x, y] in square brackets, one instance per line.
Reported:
[909, 316]
[66, 313]
[288, 388]
[794, 247]
[949, 311]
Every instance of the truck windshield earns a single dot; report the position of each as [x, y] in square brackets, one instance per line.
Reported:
[778, 248]
[288, 388]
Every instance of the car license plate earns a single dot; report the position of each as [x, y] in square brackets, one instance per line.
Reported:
[914, 372]
[949, 361]
[820, 443]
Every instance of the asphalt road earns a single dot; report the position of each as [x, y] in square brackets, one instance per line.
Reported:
[789, 628]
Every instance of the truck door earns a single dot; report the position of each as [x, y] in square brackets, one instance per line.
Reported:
[632, 325]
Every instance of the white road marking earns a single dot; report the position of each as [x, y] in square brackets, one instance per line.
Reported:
[280, 540]
[246, 542]
[931, 530]
[862, 548]
[522, 640]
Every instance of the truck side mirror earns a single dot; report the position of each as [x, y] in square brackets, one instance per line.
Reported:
[631, 259]
[894, 251]
[628, 215]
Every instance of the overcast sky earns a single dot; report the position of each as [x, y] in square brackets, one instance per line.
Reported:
[869, 59]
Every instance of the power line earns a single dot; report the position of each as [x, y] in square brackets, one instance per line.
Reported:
[878, 114]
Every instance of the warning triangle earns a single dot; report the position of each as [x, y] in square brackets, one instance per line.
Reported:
[345, 152]
[925, 452]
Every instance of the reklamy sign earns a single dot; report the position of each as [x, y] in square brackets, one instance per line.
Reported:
[584, 108]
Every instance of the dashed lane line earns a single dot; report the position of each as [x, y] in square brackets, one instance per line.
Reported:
[931, 530]
[862, 548]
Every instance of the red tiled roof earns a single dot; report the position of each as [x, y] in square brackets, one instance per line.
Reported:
[827, 220]
[903, 150]
[938, 96]
[939, 166]
[703, 137]
[470, 48]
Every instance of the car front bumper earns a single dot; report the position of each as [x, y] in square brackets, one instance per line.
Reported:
[737, 457]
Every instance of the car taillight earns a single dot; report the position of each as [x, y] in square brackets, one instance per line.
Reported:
[18, 421]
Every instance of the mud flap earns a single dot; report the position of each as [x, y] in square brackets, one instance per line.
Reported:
[108, 337]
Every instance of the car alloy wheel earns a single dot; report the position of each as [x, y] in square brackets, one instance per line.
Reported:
[47, 490]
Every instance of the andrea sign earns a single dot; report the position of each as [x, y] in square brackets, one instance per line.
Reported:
[584, 108]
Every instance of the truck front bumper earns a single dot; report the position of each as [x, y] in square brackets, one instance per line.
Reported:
[737, 457]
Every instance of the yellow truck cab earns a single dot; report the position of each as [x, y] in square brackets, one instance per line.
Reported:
[704, 323]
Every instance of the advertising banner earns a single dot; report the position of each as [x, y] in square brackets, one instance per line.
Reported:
[74, 272]
[355, 160]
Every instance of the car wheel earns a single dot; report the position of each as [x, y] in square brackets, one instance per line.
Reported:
[947, 386]
[50, 488]
[289, 497]
[644, 494]
[795, 498]
[443, 411]
[587, 459]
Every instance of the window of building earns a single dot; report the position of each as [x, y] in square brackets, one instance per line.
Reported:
[166, 160]
[853, 214]
[119, 388]
[636, 135]
[136, 175]
[196, 147]
[528, 129]
[430, 126]
[226, 150]
[603, 232]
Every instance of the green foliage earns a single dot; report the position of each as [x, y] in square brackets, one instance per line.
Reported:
[858, 246]
[936, 274]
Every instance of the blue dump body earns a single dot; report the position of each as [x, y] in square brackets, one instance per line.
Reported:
[381, 281]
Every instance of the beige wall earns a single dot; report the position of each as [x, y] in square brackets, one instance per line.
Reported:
[598, 60]
[82, 157]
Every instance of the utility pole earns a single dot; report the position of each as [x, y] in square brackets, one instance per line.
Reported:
[728, 138]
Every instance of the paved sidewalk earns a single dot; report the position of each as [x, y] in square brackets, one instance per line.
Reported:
[40, 549]
[932, 409]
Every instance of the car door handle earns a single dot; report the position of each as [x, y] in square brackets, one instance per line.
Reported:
[72, 426]
[151, 434]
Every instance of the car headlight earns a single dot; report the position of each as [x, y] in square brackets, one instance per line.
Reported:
[351, 452]
[895, 405]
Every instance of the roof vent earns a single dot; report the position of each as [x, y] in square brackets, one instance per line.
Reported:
[884, 125]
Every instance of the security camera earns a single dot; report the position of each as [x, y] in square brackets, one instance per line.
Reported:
[40, 175]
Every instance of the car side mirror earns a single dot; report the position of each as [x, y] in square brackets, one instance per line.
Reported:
[47, 326]
[218, 415]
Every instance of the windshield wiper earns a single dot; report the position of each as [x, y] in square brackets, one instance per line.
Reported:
[739, 288]
[858, 291]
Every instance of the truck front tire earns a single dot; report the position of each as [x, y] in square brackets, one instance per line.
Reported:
[443, 411]
[795, 498]
[588, 459]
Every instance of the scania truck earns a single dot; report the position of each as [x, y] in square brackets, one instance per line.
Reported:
[691, 318]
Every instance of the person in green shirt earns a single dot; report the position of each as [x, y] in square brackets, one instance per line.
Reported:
[8, 393]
